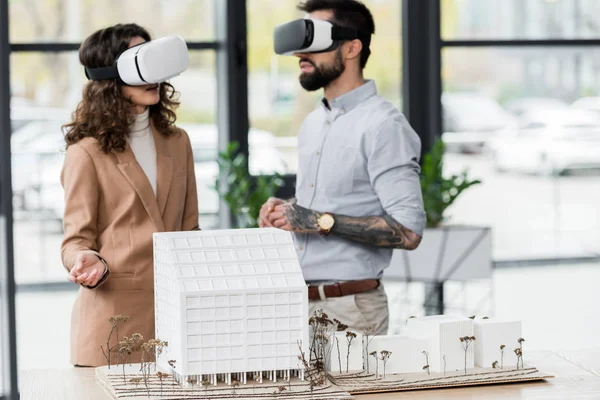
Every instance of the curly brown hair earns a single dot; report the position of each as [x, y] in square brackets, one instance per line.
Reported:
[103, 112]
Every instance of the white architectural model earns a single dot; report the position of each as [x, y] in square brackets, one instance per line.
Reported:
[229, 302]
[407, 353]
[444, 332]
[491, 334]
[350, 361]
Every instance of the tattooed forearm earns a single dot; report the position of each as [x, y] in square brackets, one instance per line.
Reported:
[377, 231]
[301, 219]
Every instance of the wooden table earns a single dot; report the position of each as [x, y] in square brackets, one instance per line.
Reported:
[577, 375]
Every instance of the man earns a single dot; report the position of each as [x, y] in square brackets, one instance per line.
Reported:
[357, 194]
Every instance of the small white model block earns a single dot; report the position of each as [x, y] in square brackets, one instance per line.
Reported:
[491, 334]
[229, 301]
[445, 332]
[407, 353]
[353, 359]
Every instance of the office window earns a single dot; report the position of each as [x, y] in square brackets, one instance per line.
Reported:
[278, 104]
[74, 20]
[519, 19]
[526, 122]
[46, 88]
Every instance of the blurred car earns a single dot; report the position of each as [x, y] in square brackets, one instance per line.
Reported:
[470, 120]
[591, 104]
[38, 155]
[549, 143]
[526, 105]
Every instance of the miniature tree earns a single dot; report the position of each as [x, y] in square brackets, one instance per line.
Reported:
[172, 365]
[115, 322]
[157, 347]
[161, 376]
[192, 381]
[340, 327]
[135, 381]
[444, 357]
[519, 354]
[349, 337]
[521, 340]
[124, 351]
[374, 354]
[144, 365]
[502, 355]
[150, 349]
[205, 383]
[126, 347]
[234, 386]
[321, 326]
[256, 380]
[385, 355]
[337, 342]
[366, 334]
[426, 366]
[495, 364]
[316, 378]
[466, 341]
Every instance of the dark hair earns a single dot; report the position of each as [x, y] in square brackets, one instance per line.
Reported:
[103, 112]
[349, 14]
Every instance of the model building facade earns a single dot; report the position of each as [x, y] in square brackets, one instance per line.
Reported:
[491, 335]
[229, 301]
[444, 332]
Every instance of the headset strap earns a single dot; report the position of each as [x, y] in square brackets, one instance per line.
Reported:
[342, 33]
[103, 73]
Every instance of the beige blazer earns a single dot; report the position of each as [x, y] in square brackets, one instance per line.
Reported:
[112, 211]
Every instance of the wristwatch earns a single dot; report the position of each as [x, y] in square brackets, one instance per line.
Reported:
[325, 223]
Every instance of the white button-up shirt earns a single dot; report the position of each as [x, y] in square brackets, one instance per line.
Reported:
[359, 157]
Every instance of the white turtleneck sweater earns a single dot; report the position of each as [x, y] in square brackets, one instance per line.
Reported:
[141, 142]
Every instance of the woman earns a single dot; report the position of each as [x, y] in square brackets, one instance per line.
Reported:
[128, 172]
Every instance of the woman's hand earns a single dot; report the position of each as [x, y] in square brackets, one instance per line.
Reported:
[88, 269]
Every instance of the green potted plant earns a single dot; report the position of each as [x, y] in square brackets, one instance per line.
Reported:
[447, 251]
[244, 194]
[440, 192]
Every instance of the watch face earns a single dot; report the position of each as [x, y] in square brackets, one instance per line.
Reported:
[326, 221]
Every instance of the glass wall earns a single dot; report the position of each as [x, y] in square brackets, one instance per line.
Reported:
[525, 120]
[519, 19]
[277, 103]
[60, 21]
[46, 88]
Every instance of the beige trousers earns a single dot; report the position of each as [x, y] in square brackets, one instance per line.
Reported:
[358, 311]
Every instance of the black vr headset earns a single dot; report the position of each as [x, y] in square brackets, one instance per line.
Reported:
[314, 36]
[150, 62]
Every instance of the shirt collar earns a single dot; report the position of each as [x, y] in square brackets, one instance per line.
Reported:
[349, 100]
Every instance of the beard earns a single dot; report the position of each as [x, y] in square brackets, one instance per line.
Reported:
[322, 75]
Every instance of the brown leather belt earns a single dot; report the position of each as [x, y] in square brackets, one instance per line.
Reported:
[340, 289]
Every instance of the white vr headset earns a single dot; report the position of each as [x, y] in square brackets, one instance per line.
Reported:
[150, 62]
[313, 36]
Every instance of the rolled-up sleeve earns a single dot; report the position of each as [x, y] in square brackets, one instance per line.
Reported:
[393, 166]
